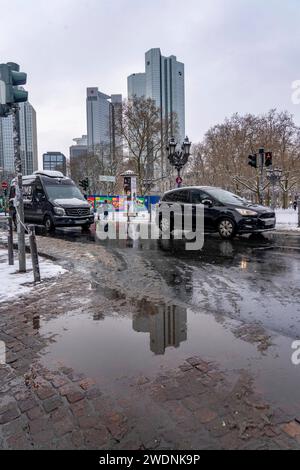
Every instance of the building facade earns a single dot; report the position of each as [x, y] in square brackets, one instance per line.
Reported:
[101, 112]
[28, 142]
[136, 85]
[55, 161]
[78, 156]
[163, 82]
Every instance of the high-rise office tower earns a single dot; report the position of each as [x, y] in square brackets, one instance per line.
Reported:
[136, 85]
[162, 81]
[101, 116]
[28, 142]
[55, 161]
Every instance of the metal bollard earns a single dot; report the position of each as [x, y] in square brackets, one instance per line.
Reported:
[34, 254]
[10, 241]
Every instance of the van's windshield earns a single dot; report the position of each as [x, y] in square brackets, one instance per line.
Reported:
[62, 190]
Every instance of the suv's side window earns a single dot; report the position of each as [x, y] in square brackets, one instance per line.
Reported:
[198, 196]
[182, 196]
[168, 197]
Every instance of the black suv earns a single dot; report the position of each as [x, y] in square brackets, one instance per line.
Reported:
[52, 199]
[224, 212]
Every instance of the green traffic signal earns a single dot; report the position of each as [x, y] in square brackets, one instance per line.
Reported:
[11, 78]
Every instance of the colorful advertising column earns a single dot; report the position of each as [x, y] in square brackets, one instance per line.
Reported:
[130, 187]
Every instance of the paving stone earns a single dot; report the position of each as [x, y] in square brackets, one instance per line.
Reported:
[9, 415]
[44, 392]
[35, 413]
[86, 384]
[205, 415]
[292, 429]
[27, 404]
[96, 438]
[52, 403]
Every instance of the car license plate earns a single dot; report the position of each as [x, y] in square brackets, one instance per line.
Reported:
[81, 221]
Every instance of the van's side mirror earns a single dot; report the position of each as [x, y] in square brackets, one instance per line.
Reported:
[207, 202]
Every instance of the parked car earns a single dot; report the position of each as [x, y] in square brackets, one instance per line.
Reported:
[53, 200]
[224, 212]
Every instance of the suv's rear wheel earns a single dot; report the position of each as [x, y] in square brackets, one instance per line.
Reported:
[49, 225]
[166, 225]
[226, 228]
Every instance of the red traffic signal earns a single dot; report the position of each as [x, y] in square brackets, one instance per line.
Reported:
[4, 185]
[268, 159]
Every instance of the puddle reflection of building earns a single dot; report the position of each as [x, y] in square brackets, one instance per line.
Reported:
[167, 325]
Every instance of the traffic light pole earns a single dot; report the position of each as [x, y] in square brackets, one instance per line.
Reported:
[261, 175]
[19, 204]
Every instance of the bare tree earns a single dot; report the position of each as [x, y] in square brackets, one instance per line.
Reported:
[221, 158]
[145, 135]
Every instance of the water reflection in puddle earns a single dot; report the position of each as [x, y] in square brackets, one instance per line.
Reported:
[114, 350]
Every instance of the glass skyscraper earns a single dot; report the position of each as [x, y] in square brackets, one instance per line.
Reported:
[162, 81]
[28, 134]
[101, 114]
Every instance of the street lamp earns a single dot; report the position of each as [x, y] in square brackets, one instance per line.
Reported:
[178, 158]
[274, 175]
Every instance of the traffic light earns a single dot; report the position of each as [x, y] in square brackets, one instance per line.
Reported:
[10, 80]
[127, 184]
[252, 160]
[84, 184]
[268, 159]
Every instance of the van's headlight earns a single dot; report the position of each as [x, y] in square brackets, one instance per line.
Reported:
[59, 211]
[91, 210]
[246, 212]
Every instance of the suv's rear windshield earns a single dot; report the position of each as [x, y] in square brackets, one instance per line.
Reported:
[61, 189]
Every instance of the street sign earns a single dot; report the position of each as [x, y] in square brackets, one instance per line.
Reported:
[4, 185]
[178, 180]
[107, 179]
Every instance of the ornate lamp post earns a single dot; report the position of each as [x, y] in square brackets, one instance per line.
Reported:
[274, 176]
[178, 158]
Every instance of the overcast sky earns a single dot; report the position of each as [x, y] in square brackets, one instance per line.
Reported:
[239, 55]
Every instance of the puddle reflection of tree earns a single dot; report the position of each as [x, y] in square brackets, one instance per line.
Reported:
[166, 324]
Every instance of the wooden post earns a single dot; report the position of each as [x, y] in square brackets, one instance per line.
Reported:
[34, 254]
[10, 241]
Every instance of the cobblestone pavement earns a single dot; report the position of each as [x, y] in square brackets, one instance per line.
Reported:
[194, 406]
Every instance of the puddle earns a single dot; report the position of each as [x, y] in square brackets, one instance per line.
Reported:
[115, 350]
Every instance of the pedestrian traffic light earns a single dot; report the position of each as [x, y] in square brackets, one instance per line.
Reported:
[127, 184]
[10, 80]
[268, 159]
[252, 160]
[84, 184]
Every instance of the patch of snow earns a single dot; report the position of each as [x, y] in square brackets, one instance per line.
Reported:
[13, 283]
[287, 219]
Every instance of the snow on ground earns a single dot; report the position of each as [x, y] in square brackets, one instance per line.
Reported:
[287, 219]
[13, 283]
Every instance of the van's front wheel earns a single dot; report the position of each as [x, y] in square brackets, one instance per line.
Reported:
[49, 225]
